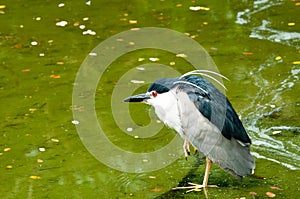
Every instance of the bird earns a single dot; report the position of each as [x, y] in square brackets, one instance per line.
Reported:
[204, 117]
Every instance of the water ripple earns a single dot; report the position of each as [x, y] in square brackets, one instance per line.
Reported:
[265, 144]
[263, 32]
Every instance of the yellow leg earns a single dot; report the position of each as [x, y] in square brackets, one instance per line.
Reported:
[207, 170]
[198, 187]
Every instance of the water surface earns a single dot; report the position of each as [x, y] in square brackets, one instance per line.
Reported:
[255, 44]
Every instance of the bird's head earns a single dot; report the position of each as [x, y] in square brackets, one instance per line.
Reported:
[154, 92]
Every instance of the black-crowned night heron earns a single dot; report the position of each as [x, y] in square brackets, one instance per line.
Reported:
[203, 116]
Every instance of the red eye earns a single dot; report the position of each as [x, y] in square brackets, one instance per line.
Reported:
[154, 93]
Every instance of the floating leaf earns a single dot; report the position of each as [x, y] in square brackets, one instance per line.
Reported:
[18, 46]
[197, 8]
[93, 54]
[291, 24]
[89, 32]
[181, 55]
[156, 189]
[26, 70]
[61, 5]
[172, 63]
[247, 53]
[35, 177]
[75, 122]
[275, 188]
[270, 194]
[55, 76]
[131, 21]
[154, 59]
[259, 177]
[137, 81]
[62, 23]
[278, 58]
[32, 110]
[296, 62]
[54, 140]
[34, 43]
[276, 132]
[76, 23]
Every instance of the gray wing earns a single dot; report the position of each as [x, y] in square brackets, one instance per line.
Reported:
[209, 123]
[216, 108]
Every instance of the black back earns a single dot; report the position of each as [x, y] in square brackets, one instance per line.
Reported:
[212, 104]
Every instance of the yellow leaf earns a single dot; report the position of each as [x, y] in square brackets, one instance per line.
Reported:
[35, 177]
[55, 76]
[291, 24]
[296, 62]
[278, 58]
[133, 21]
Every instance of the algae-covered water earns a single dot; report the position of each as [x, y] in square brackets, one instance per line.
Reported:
[46, 150]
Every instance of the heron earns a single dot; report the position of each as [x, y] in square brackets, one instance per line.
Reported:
[203, 116]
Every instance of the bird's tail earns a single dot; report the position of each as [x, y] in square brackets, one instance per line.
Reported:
[233, 157]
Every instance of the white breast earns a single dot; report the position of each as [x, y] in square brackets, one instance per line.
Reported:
[166, 108]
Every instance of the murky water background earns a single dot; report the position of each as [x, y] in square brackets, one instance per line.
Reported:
[43, 43]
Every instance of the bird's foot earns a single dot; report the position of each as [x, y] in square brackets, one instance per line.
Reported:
[186, 148]
[194, 187]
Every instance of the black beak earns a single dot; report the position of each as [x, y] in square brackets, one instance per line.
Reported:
[137, 98]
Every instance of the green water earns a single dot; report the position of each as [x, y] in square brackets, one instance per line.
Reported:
[254, 44]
